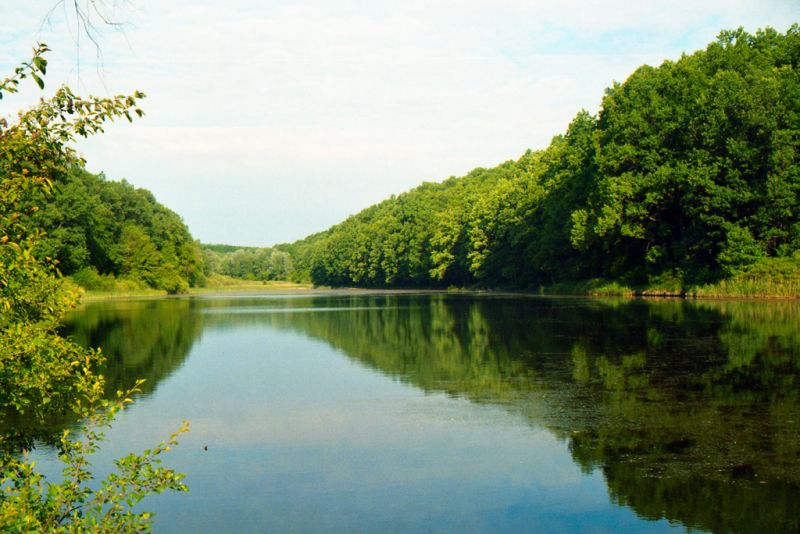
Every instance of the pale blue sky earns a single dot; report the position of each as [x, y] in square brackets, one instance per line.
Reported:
[269, 120]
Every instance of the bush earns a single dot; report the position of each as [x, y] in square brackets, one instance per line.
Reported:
[739, 250]
[89, 279]
[28, 503]
[41, 373]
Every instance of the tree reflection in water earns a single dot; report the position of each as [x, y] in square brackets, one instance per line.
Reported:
[690, 409]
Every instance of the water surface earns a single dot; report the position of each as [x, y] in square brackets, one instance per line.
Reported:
[346, 412]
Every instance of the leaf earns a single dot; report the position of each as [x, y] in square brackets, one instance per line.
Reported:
[38, 80]
[41, 64]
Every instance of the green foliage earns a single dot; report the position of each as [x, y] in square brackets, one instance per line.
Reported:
[739, 250]
[688, 174]
[30, 504]
[89, 278]
[118, 230]
[42, 374]
[248, 263]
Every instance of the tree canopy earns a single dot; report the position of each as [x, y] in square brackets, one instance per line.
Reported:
[96, 227]
[689, 172]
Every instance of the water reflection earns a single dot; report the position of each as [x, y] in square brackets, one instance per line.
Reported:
[689, 409]
[146, 339]
[139, 339]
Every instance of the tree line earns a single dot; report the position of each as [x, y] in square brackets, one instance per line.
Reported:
[688, 174]
[100, 231]
[247, 263]
[108, 234]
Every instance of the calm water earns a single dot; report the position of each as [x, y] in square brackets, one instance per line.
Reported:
[350, 412]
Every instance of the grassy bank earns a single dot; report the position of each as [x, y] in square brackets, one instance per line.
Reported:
[118, 290]
[769, 278]
[772, 278]
[121, 289]
[221, 282]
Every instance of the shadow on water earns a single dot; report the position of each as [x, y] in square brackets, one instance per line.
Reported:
[689, 409]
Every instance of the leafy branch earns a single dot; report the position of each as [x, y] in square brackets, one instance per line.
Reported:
[41, 373]
[29, 503]
[36, 66]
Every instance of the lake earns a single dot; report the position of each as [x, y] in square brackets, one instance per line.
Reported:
[352, 411]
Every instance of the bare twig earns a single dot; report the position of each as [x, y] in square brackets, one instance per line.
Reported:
[90, 17]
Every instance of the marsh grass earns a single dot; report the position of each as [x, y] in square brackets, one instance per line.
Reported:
[769, 278]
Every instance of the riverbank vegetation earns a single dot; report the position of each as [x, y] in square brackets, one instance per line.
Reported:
[220, 282]
[111, 236]
[686, 182]
[247, 263]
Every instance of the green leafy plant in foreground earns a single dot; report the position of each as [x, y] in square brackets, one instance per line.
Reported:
[29, 503]
[43, 376]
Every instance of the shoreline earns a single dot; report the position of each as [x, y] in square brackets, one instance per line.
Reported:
[292, 288]
[281, 286]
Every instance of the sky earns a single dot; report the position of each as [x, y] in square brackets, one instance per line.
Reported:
[270, 120]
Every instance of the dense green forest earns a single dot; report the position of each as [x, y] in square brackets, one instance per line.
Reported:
[247, 263]
[109, 235]
[687, 175]
[102, 231]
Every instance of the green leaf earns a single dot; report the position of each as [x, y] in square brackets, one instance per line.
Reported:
[41, 64]
[38, 80]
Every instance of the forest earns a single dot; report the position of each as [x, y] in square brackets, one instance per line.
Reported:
[110, 236]
[246, 263]
[105, 233]
[687, 175]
